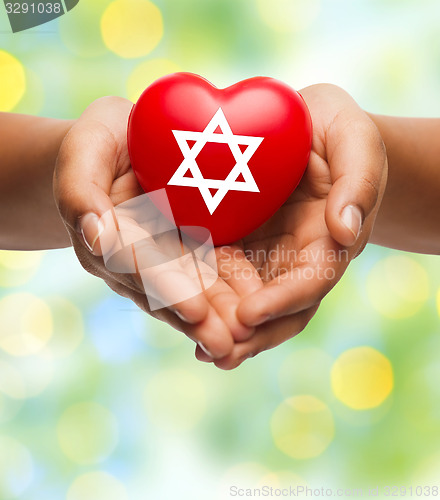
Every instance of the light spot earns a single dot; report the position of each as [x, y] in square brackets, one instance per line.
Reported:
[32, 103]
[37, 372]
[241, 475]
[20, 260]
[68, 328]
[97, 485]
[146, 73]
[438, 301]
[131, 28]
[247, 475]
[282, 479]
[175, 399]
[80, 31]
[26, 324]
[159, 334]
[9, 407]
[362, 378]
[306, 371]
[16, 468]
[302, 427]
[288, 15]
[398, 286]
[426, 476]
[11, 381]
[87, 433]
[113, 333]
[17, 268]
[13, 81]
[422, 404]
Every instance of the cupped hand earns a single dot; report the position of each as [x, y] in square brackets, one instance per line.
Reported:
[304, 249]
[93, 174]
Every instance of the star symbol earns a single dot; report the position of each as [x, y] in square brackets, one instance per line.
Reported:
[241, 158]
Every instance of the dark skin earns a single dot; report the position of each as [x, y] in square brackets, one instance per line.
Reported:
[260, 301]
[299, 233]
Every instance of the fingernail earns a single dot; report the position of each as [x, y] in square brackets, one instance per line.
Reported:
[262, 319]
[351, 217]
[181, 316]
[205, 350]
[90, 228]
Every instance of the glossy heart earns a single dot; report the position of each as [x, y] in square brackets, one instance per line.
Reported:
[228, 158]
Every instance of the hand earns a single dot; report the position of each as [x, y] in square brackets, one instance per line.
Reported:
[304, 249]
[92, 175]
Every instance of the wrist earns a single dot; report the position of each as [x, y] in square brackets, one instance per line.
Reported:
[407, 219]
[29, 218]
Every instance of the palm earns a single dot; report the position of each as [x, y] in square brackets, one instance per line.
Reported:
[296, 227]
[347, 167]
[303, 250]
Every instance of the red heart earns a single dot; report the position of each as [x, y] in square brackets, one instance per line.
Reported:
[233, 185]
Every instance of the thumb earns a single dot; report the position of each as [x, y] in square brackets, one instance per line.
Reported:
[83, 178]
[358, 168]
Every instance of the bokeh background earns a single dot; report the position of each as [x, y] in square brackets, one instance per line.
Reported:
[98, 402]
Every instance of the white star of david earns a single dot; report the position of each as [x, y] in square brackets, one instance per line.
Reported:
[240, 168]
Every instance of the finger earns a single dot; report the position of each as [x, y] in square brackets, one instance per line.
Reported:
[167, 288]
[226, 301]
[167, 276]
[212, 335]
[159, 289]
[90, 158]
[220, 295]
[95, 266]
[300, 288]
[237, 271]
[357, 160]
[146, 267]
[238, 277]
[168, 281]
[267, 336]
[165, 315]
